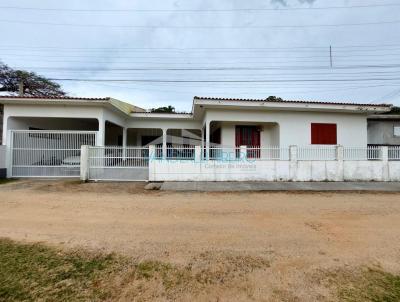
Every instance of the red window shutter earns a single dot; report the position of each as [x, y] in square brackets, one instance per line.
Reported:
[323, 134]
[247, 136]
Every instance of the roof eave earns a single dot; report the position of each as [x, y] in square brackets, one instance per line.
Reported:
[297, 106]
[154, 115]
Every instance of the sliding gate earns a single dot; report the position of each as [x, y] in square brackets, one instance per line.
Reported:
[114, 163]
[36, 153]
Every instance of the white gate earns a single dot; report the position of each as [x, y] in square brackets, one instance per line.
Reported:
[111, 163]
[36, 153]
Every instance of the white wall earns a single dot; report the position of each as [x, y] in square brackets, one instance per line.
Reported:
[43, 111]
[295, 127]
[164, 170]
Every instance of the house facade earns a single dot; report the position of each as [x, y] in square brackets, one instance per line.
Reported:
[265, 128]
[226, 122]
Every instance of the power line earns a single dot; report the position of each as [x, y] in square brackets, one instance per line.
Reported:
[258, 9]
[369, 66]
[200, 26]
[222, 81]
[170, 57]
[343, 48]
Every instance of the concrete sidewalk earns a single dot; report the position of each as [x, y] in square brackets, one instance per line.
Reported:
[281, 186]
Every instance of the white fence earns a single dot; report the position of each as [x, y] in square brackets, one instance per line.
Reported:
[394, 153]
[311, 163]
[36, 153]
[317, 153]
[118, 163]
[312, 153]
[370, 153]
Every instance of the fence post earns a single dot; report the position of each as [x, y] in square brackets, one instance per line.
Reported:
[9, 153]
[197, 154]
[340, 163]
[243, 152]
[385, 163]
[152, 152]
[84, 163]
[293, 163]
[152, 160]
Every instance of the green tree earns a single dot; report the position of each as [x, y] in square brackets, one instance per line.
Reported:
[274, 99]
[33, 84]
[168, 109]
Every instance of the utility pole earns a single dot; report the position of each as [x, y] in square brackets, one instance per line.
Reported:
[330, 55]
[21, 88]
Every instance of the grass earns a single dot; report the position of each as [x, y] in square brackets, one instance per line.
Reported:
[366, 285]
[4, 181]
[36, 272]
[31, 272]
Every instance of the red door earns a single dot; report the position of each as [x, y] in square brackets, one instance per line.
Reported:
[249, 136]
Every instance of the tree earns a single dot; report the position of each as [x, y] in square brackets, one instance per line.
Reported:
[168, 109]
[274, 99]
[33, 84]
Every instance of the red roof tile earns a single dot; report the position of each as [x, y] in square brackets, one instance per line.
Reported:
[53, 98]
[289, 101]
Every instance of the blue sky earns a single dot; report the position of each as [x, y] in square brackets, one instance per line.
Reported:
[246, 49]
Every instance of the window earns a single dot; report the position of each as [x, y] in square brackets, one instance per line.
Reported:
[396, 130]
[323, 134]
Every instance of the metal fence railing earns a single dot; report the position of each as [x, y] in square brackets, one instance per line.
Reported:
[37, 153]
[316, 153]
[267, 153]
[394, 153]
[181, 152]
[362, 153]
[118, 163]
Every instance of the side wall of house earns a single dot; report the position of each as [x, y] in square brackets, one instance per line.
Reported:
[294, 128]
[381, 132]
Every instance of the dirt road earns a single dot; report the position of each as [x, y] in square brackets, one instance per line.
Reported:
[298, 233]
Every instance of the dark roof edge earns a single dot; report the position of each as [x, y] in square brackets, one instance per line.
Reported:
[53, 98]
[291, 101]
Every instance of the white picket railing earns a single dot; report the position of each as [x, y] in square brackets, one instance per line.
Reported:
[222, 153]
[394, 153]
[313, 153]
[267, 153]
[181, 152]
[316, 153]
[362, 153]
[118, 163]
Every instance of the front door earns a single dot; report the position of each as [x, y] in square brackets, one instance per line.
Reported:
[249, 136]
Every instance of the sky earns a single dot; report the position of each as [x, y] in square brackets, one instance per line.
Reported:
[155, 53]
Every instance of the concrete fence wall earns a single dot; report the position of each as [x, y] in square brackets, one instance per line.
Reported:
[276, 170]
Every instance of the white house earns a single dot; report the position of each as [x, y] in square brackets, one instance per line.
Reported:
[222, 121]
[213, 123]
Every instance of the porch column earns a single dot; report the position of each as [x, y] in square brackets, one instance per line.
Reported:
[207, 140]
[101, 134]
[124, 142]
[202, 141]
[164, 143]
